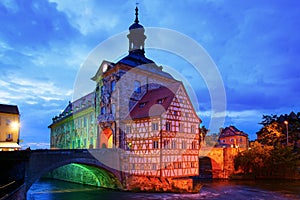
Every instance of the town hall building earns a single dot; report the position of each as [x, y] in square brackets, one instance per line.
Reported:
[136, 107]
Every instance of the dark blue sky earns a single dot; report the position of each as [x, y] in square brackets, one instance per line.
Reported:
[255, 45]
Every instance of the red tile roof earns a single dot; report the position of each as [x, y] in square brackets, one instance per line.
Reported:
[149, 105]
[231, 131]
[9, 109]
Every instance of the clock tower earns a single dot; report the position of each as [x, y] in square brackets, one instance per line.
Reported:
[116, 94]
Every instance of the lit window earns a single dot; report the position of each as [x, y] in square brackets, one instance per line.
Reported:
[137, 86]
[154, 126]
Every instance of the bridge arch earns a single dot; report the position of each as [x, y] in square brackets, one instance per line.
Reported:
[36, 167]
[211, 166]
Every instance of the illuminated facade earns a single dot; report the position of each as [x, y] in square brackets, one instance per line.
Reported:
[75, 127]
[9, 128]
[139, 108]
[231, 136]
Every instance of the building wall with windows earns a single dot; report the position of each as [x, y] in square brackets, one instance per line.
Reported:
[162, 134]
[161, 138]
[76, 126]
[231, 136]
[9, 127]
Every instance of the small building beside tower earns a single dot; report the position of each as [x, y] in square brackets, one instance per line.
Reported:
[9, 127]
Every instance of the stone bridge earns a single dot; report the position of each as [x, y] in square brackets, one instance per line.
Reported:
[217, 162]
[23, 168]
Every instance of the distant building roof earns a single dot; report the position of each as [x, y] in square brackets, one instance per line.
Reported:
[232, 131]
[12, 109]
[162, 96]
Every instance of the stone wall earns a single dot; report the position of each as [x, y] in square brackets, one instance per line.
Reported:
[159, 184]
[222, 160]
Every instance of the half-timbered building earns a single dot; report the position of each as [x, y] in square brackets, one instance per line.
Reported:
[144, 111]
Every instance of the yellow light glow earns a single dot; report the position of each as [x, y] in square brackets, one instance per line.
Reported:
[286, 122]
[15, 125]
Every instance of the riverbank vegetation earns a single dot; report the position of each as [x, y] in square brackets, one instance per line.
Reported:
[276, 152]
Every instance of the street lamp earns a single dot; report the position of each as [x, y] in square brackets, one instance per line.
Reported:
[287, 132]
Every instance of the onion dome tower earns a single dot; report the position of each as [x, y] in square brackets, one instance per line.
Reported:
[136, 39]
[136, 35]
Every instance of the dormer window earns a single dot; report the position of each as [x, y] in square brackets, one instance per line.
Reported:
[160, 101]
[137, 86]
[142, 105]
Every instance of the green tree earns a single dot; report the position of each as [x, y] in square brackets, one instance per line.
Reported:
[263, 161]
[271, 134]
[253, 160]
[283, 161]
[274, 130]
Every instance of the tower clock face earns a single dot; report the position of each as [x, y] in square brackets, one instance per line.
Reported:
[105, 66]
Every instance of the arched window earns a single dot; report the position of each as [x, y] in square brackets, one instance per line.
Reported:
[102, 110]
[113, 86]
[137, 86]
[113, 108]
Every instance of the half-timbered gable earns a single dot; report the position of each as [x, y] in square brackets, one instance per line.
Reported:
[160, 134]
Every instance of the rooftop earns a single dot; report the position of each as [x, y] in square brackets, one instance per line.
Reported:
[162, 96]
[11, 109]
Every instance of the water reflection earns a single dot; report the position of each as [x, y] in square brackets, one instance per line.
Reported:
[48, 189]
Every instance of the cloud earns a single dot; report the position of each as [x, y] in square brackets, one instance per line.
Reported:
[35, 145]
[93, 17]
[255, 44]
[26, 90]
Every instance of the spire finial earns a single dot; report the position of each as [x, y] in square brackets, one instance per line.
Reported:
[136, 14]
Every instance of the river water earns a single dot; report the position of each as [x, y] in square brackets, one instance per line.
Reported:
[48, 189]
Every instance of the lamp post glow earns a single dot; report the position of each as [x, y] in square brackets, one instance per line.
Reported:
[15, 125]
[287, 132]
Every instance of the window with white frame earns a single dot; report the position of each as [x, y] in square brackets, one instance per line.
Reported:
[168, 126]
[154, 126]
